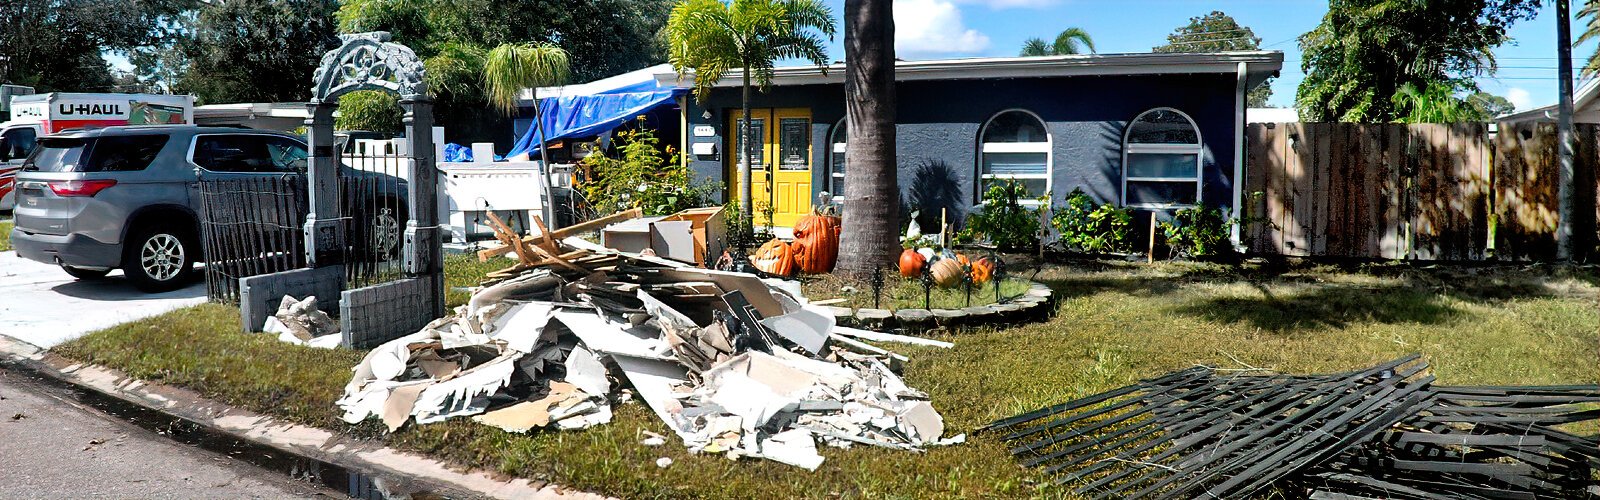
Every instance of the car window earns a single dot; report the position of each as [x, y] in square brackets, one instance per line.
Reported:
[123, 153]
[16, 143]
[56, 154]
[287, 154]
[234, 153]
[119, 153]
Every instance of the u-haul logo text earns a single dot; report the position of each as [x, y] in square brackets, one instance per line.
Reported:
[90, 108]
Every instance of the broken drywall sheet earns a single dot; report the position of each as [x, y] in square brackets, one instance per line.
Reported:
[858, 333]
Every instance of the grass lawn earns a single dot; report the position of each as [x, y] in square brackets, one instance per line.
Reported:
[1115, 323]
[5, 236]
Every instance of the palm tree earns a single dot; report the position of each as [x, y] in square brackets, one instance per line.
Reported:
[1067, 43]
[711, 38]
[512, 67]
[869, 236]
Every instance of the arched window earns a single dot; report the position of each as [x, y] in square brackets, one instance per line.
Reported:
[1015, 144]
[1161, 154]
[836, 159]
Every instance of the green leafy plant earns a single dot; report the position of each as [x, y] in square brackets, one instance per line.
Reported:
[1002, 220]
[1199, 232]
[1087, 228]
[370, 110]
[641, 175]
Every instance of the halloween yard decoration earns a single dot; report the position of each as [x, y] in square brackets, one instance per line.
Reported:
[911, 263]
[775, 257]
[816, 242]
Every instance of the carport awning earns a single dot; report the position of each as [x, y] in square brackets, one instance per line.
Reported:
[589, 115]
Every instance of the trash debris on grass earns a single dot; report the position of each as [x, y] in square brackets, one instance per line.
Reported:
[1381, 432]
[732, 363]
[301, 322]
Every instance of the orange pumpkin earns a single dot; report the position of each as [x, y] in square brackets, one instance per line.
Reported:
[775, 257]
[962, 258]
[946, 272]
[911, 263]
[982, 271]
[816, 243]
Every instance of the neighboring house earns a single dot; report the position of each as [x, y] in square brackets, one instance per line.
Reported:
[1151, 131]
[1272, 115]
[1584, 107]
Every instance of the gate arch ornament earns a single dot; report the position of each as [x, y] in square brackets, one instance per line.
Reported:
[368, 61]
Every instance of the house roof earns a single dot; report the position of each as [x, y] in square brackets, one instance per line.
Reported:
[1260, 66]
[1584, 108]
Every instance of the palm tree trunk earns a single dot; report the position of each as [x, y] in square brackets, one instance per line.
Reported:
[544, 167]
[744, 161]
[869, 239]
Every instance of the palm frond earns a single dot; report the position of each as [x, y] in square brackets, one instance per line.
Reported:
[1067, 42]
[510, 68]
[1034, 47]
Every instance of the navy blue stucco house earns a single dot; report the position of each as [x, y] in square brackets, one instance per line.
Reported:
[1150, 131]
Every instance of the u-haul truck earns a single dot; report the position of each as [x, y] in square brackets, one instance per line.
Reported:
[36, 115]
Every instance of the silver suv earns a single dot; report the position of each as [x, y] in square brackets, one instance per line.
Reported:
[125, 197]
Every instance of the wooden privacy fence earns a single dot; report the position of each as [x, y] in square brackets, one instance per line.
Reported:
[1408, 191]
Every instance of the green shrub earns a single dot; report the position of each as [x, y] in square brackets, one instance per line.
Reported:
[370, 110]
[641, 176]
[1090, 229]
[1199, 232]
[1003, 221]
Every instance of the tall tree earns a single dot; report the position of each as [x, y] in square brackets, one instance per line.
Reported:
[512, 67]
[711, 38]
[243, 50]
[56, 45]
[869, 235]
[602, 38]
[1487, 106]
[1365, 51]
[1218, 32]
[1068, 42]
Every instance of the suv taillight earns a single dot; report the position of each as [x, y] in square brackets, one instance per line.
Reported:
[81, 188]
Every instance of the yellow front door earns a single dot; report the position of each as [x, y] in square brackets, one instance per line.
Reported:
[780, 164]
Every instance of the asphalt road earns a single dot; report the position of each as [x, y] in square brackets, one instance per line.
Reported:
[52, 446]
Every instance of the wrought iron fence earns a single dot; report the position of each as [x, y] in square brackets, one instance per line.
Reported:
[250, 227]
[253, 226]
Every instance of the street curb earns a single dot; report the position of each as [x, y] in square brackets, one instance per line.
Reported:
[302, 441]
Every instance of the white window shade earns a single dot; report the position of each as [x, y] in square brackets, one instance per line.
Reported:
[1016, 145]
[1162, 154]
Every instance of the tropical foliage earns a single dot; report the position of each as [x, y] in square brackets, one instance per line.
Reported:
[512, 67]
[1366, 51]
[1085, 227]
[710, 38]
[1003, 220]
[641, 175]
[1217, 32]
[370, 110]
[1199, 232]
[1070, 41]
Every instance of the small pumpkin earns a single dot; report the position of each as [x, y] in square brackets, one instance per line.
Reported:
[775, 257]
[816, 243]
[946, 272]
[982, 270]
[911, 263]
[962, 258]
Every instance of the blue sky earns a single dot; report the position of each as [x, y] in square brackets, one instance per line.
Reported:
[931, 29]
[928, 29]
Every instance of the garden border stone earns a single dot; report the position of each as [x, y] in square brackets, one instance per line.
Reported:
[1031, 306]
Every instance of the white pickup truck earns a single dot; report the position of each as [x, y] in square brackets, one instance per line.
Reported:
[36, 115]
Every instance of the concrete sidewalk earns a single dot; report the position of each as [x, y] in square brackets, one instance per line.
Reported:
[41, 305]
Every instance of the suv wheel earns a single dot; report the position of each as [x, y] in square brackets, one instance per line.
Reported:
[158, 258]
[84, 274]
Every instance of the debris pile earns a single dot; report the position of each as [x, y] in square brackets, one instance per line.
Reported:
[301, 322]
[732, 363]
[1381, 432]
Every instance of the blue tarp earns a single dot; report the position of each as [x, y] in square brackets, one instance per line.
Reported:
[591, 115]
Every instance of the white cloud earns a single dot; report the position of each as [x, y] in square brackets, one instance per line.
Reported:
[1520, 98]
[924, 28]
[1010, 4]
